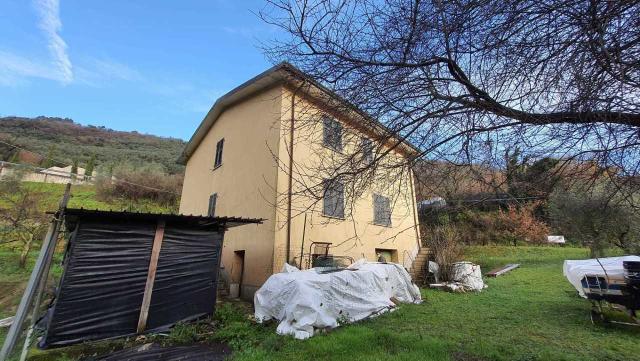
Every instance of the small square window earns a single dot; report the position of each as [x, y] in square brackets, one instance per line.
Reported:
[381, 210]
[218, 159]
[333, 200]
[367, 150]
[332, 134]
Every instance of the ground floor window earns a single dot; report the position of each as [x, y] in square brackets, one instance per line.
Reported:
[386, 255]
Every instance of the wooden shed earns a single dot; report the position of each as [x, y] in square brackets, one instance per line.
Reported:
[127, 273]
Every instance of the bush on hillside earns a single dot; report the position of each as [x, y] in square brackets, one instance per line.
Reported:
[596, 218]
[518, 223]
[141, 184]
[513, 224]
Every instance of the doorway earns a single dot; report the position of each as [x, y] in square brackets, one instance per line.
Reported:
[237, 273]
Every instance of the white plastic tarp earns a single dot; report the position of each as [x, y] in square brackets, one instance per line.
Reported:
[575, 270]
[306, 301]
[467, 274]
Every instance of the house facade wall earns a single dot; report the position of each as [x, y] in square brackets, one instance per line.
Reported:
[253, 181]
[355, 236]
[244, 184]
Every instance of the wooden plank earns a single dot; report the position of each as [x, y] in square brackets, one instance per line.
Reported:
[151, 276]
[500, 271]
[6, 322]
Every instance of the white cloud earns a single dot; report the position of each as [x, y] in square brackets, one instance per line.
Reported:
[99, 72]
[14, 67]
[50, 24]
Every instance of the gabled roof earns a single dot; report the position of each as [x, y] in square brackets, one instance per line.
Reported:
[283, 73]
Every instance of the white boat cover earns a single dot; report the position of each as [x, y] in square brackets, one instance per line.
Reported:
[306, 301]
[575, 270]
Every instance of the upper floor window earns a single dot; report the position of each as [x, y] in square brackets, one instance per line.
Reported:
[212, 205]
[218, 160]
[333, 200]
[367, 150]
[332, 134]
[381, 210]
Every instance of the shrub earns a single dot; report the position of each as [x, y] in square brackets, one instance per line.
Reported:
[139, 184]
[510, 225]
[520, 224]
[443, 241]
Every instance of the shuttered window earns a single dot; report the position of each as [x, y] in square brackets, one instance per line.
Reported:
[367, 150]
[212, 204]
[332, 134]
[218, 159]
[333, 200]
[381, 210]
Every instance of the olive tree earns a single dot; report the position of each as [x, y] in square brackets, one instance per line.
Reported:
[21, 220]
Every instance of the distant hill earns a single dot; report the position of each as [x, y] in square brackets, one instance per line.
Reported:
[69, 141]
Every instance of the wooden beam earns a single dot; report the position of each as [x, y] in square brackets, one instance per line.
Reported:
[502, 270]
[151, 276]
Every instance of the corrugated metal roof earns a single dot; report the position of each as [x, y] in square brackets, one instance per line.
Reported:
[168, 217]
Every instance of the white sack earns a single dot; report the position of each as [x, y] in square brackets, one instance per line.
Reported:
[305, 301]
[468, 275]
[575, 270]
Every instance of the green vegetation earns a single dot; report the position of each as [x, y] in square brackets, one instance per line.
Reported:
[531, 313]
[58, 139]
[13, 280]
[84, 196]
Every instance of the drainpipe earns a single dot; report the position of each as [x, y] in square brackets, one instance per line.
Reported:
[289, 188]
[416, 217]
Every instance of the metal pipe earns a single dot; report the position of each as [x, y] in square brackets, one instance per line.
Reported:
[304, 230]
[290, 185]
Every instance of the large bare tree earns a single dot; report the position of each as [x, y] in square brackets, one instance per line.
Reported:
[466, 80]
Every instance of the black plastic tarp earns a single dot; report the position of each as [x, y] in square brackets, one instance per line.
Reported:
[105, 273]
[154, 352]
[101, 290]
[185, 280]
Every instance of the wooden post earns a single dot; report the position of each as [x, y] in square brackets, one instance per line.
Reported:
[38, 275]
[151, 276]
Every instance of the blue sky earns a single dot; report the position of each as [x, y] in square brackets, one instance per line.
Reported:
[155, 66]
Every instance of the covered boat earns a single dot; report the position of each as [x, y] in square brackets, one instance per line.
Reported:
[610, 281]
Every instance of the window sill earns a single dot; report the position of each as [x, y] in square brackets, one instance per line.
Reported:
[339, 151]
[333, 217]
[382, 225]
[216, 167]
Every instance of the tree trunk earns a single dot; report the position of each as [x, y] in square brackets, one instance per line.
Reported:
[25, 252]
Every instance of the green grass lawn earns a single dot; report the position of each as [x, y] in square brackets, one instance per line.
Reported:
[531, 313]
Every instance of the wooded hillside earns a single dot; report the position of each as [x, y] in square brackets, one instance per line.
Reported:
[70, 141]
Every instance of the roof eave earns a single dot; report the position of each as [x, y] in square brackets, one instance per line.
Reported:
[260, 82]
[278, 74]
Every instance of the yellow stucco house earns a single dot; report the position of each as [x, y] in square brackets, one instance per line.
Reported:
[276, 148]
